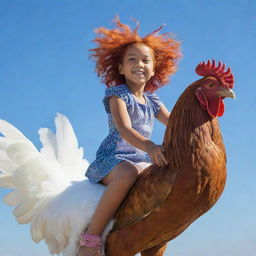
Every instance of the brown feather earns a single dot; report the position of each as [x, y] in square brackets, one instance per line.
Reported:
[145, 196]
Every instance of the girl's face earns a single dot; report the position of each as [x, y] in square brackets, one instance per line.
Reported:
[137, 65]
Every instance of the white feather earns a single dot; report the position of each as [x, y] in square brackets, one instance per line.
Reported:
[50, 190]
[9, 131]
[6, 180]
[12, 199]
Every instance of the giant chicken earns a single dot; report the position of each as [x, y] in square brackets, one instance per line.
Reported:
[47, 184]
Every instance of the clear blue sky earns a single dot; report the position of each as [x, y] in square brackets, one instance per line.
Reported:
[44, 69]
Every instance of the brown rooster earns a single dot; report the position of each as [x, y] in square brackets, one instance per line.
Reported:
[166, 200]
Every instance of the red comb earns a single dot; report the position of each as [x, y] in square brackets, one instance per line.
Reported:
[210, 69]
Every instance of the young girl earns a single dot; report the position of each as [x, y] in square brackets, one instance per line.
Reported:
[132, 68]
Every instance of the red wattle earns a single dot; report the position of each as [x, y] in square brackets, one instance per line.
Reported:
[214, 107]
[221, 109]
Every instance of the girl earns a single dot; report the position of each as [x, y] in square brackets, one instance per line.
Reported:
[132, 68]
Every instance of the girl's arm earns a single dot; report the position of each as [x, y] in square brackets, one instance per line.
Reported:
[124, 126]
[163, 115]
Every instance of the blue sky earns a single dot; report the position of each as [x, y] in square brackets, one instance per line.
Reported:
[45, 69]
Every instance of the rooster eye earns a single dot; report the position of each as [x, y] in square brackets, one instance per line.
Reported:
[211, 85]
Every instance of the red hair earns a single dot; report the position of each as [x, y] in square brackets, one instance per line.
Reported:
[112, 44]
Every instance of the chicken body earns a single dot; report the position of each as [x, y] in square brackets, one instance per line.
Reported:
[166, 200]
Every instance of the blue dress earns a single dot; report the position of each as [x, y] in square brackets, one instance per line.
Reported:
[114, 148]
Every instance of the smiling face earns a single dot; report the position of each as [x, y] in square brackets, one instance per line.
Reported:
[137, 65]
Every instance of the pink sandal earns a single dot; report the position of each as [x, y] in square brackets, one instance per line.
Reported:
[92, 241]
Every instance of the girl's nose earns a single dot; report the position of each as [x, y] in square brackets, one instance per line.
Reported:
[140, 63]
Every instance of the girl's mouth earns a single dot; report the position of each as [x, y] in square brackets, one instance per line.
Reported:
[139, 73]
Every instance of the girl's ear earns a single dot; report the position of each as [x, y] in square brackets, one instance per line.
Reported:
[120, 68]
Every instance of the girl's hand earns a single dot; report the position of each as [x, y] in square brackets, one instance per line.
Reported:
[155, 152]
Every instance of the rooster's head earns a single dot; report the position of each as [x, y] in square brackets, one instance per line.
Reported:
[214, 87]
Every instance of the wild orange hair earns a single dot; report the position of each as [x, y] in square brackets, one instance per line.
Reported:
[112, 44]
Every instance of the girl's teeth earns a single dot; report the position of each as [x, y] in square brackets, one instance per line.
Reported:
[139, 73]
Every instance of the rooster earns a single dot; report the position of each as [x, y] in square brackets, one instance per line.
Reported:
[48, 184]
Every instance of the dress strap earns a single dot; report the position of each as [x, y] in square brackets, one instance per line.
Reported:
[122, 91]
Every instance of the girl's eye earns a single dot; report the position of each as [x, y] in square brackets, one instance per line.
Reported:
[131, 59]
[146, 61]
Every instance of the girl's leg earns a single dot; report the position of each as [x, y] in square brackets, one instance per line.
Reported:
[118, 183]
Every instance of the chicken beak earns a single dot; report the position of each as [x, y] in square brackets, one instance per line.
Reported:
[227, 93]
